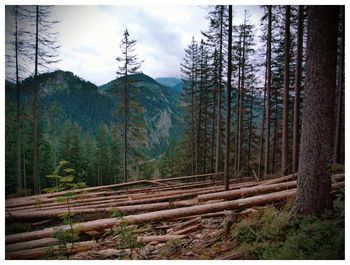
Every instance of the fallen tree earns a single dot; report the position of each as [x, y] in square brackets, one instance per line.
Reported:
[240, 193]
[169, 214]
[146, 239]
[40, 252]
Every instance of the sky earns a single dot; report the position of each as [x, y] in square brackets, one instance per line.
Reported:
[90, 36]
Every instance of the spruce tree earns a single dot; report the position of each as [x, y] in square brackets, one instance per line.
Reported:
[132, 111]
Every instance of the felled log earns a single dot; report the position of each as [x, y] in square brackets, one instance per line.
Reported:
[163, 238]
[209, 208]
[170, 214]
[30, 244]
[187, 223]
[279, 180]
[240, 193]
[214, 207]
[97, 225]
[187, 230]
[31, 215]
[11, 202]
[40, 252]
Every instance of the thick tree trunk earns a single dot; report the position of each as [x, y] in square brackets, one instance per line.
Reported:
[338, 132]
[268, 96]
[297, 89]
[316, 150]
[244, 192]
[285, 129]
[228, 107]
[164, 238]
[36, 253]
[30, 244]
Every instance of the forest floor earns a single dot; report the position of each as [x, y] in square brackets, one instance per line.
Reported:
[267, 232]
[254, 225]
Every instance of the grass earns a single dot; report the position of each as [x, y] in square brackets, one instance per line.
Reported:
[272, 233]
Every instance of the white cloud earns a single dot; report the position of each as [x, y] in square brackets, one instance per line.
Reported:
[90, 37]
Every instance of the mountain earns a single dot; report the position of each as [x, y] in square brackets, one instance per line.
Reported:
[90, 106]
[160, 103]
[174, 83]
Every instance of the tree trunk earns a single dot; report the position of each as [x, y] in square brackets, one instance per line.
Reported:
[241, 104]
[250, 128]
[36, 253]
[126, 127]
[285, 129]
[228, 108]
[297, 89]
[274, 144]
[218, 119]
[316, 150]
[262, 123]
[237, 103]
[36, 179]
[245, 192]
[18, 126]
[163, 238]
[268, 89]
[338, 132]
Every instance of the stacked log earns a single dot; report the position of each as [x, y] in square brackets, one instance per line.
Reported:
[147, 205]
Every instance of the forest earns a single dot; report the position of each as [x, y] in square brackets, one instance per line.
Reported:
[242, 157]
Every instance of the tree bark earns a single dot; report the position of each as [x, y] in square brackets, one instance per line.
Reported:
[218, 119]
[36, 179]
[338, 132]
[241, 104]
[268, 96]
[164, 238]
[297, 89]
[228, 107]
[18, 126]
[40, 252]
[285, 129]
[316, 150]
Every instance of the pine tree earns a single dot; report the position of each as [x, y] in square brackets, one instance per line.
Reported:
[45, 53]
[189, 78]
[133, 124]
[316, 149]
[285, 132]
[268, 93]
[228, 109]
[297, 89]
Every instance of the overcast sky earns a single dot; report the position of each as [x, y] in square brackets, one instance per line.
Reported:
[90, 36]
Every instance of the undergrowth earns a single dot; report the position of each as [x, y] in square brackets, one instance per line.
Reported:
[272, 233]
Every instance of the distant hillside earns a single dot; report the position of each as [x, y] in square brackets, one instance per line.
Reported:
[161, 105]
[88, 105]
[173, 82]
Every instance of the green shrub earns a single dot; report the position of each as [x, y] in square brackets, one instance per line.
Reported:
[274, 234]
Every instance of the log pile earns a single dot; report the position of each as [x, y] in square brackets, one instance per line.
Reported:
[183, 204]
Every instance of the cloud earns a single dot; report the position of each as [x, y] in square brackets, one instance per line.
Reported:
[90, 37]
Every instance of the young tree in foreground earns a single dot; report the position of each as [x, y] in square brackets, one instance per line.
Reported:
[129, 65]
[314, 182]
